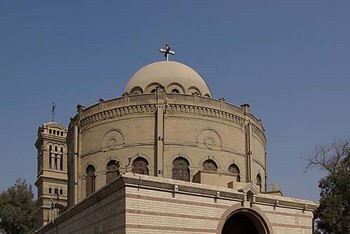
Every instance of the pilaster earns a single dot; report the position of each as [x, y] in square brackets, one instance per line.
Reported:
[161, 102]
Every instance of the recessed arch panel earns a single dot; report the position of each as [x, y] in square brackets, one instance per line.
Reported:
[152, 87]
[136, 90]
[193, 90]
[175, 86]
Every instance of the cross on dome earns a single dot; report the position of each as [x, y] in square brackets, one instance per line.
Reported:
[167, 51]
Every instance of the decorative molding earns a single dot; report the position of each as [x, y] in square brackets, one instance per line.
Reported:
[118, 112]
[113, 139]
[209, 138]
[172, 108]
[151, 108]
[205, 111]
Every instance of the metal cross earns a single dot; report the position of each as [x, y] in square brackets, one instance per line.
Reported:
[167, 51]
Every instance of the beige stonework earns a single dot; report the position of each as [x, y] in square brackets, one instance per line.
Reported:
[143, 204]
[202, 160]
[192, 127]
[52, 172]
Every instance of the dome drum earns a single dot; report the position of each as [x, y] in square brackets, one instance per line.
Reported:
[190, 125]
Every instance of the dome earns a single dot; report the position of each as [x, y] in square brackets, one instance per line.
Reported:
[175, 77]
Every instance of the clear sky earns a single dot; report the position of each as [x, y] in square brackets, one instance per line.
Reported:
[288, 59]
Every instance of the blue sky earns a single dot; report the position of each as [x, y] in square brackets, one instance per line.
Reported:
[288, 59]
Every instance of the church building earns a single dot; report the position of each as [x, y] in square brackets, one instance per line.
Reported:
[164, 157]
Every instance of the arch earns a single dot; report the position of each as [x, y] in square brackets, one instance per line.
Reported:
[112, 171]
[259, 181]
[90, 180]
[212, 158]
[210, 165]
[140, 166]
[181, 155]
[234, 169]
[136, 90]
[246, 218]
[175, 90]
[113, 157]
[207, 95]
[177, 86]
[181, 169]
[192, 90]
[152, 87]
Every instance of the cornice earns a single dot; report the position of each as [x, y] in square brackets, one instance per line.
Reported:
[173, 104]
[169, 108]
[118, 112]
[205, 111]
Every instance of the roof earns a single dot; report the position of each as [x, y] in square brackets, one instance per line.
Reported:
[175, 77]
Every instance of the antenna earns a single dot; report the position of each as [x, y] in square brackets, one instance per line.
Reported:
[53, 111]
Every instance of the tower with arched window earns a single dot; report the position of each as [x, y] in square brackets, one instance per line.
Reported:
[52, 172]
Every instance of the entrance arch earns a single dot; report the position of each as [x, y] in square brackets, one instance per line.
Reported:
[241, 220]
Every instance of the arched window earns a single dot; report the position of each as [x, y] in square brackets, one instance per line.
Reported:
[136, 90]
[235, 170]
[61, 159]
[210, 165]
[55, 165]
[175, 91]
[250, 196]
[181, 169]
[51, 158]
[140, 166]
[258, 181]
[112, 171]
[90, 180]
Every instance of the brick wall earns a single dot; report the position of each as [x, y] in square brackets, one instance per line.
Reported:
[144, 204]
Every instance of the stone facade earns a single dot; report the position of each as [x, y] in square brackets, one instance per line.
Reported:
[160, 130]
[165, 157]
[52, 172]
[143, 204]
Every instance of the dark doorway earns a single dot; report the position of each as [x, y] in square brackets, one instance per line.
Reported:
[240, 223]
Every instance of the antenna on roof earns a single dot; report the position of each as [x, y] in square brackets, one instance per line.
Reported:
[53, 111]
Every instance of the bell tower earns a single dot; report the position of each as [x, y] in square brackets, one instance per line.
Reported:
[52, 178]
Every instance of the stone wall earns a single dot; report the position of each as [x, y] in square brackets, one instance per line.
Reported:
[180, 207]
[161, 129]
[102, 212]
[145, 204]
